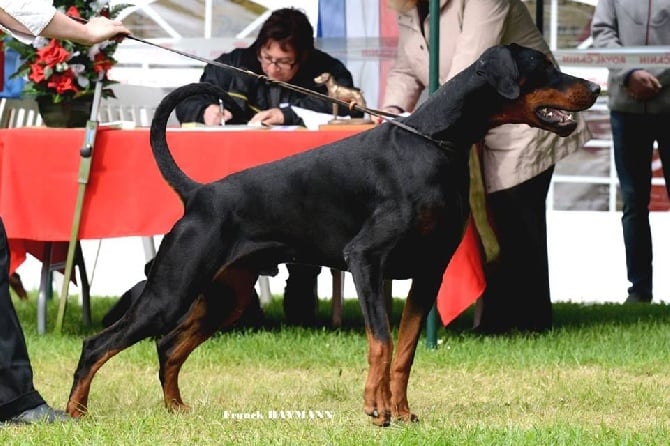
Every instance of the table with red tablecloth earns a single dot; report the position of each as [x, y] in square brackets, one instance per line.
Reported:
[125, 195]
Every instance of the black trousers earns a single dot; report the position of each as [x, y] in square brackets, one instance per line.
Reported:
[301, 301]
[16, 375]
[517, 293]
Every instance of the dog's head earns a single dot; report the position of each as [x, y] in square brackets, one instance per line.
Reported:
[533, 89]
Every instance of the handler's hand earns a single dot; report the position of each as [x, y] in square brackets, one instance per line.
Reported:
[391, 109]
[642, 85]
[102, 28]
[273, 116]
[213, 116]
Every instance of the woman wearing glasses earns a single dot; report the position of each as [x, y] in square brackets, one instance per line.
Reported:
[283, 51]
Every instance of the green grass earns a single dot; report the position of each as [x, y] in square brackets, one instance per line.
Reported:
[602, 377]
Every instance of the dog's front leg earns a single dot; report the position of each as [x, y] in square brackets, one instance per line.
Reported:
[96, 351]
[377, 394]
[367, 274]
[419, 302]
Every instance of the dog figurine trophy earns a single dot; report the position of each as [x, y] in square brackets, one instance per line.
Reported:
[346, 94]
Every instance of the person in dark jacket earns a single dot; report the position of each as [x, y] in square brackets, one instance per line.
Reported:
[639, 104]
[283, 51]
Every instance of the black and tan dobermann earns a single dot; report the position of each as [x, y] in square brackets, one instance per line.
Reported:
[386, 203]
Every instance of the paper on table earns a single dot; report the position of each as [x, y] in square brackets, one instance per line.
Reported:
[311, 119]
[118, 124]
[314, 119]
[218, 128]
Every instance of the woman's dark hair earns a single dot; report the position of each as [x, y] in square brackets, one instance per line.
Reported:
[290, 28]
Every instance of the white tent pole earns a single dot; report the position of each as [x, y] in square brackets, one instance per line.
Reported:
[554, 25]
[208, 19]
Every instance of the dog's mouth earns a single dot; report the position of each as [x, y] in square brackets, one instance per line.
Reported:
[560, 121]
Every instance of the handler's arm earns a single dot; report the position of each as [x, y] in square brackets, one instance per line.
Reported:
[192, 108]
[605, 33]
[604, 26]
[26, 24]
[403, 86]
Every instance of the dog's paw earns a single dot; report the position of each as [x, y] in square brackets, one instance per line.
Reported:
[406, 418]
[75, 409]
[402, 414]
[381, 419]
[175, 406]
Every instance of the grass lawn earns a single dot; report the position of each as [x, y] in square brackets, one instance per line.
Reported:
[601, 377]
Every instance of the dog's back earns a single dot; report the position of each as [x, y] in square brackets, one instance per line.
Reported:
[291, 200]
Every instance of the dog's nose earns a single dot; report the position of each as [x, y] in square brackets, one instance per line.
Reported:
[594, 88]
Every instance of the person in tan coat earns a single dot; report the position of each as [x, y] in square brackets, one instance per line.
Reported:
[518, 160]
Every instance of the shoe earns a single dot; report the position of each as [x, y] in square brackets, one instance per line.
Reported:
[40, 414]
[636, 298]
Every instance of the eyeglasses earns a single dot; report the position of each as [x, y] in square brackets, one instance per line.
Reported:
[283, 64]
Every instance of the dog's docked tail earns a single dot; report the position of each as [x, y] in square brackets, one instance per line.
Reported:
[174, 176]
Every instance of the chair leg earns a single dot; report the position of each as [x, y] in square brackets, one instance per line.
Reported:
[85, 286]
[336, 301]
[46, 286]
[149, 248]
[45, 290]
[264, 286]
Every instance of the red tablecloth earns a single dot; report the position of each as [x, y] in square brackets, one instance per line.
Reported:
[125, 195]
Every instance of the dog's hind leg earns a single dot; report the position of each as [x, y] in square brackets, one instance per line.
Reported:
[145, 318]
[419, 301]
[221, 306]
[173, 284]
[97, 350]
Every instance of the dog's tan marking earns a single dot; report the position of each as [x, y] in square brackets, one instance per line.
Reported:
[78, 401]
[196, 329]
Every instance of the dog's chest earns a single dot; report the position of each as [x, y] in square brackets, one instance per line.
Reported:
[431, 239]
[429, 220]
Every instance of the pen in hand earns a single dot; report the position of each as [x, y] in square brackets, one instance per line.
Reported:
[223, 121]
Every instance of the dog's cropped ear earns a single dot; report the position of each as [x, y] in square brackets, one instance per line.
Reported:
[499, 69]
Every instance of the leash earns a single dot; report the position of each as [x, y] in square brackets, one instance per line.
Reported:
[386, 116]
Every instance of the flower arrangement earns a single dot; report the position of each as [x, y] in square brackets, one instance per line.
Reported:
[64, 70]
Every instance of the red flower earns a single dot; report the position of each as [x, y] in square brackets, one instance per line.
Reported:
[62, 82]
[36, 73]
[101, 62]
[73, 11]
[43, 67]
[52, 54]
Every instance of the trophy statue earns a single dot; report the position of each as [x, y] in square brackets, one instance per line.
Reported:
[345, 94]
